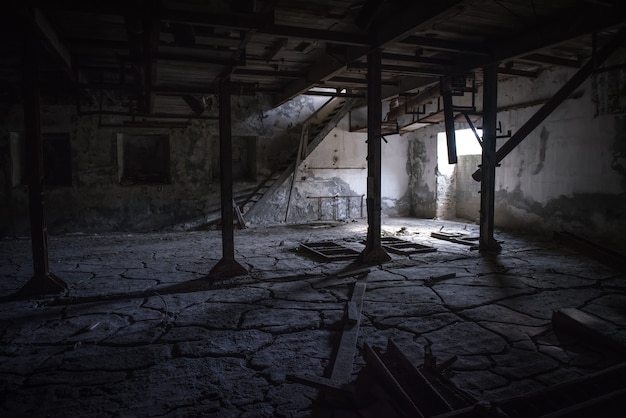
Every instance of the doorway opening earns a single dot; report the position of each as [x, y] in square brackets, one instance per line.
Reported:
[454, 183]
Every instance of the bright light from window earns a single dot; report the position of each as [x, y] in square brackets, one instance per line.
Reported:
[466, 143]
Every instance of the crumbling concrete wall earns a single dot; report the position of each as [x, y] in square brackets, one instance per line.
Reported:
[467, 190]
[569, 173]
[421, 167]
[97, 202]
[331, 183]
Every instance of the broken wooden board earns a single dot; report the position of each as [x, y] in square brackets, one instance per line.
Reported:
[356, 272]
[432, 280]
[341, 374]
[404, 401]
[589, 328]
[330, 251]
[456, 237]
[403, 247]
[342, 367]
[591, 249]
[429, 400]
[598, 394]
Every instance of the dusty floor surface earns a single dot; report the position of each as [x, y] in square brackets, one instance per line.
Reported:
[141, 333]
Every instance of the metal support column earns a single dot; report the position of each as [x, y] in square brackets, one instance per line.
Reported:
[488, 182]
[227, 266]
[43, 281]
[448, 113]
[373, 252]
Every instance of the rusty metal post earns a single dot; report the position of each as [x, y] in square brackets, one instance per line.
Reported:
[227, 266]
[373, 252]
[448, 113]
[488, 164]
[43, 281]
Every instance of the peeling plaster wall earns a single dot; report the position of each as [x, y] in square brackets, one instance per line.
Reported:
[421, 167]
[278, 130]
[97, 202]
[468, 190]
[569, 173]
[338, 167]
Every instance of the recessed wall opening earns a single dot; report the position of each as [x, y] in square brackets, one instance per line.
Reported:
[449, 175]
[143, 159]
[57, 159]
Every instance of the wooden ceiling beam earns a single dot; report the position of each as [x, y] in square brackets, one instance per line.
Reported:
[416, 59]
[446, 45]
[268, 73]
[552, 60]
[382, 32]
[403, 69]
[329, 36]
[363, 81]
[53, 43]
[573, 24]
[518, 73]
[207, 59]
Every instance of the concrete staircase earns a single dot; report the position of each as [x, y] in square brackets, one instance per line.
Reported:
[314, 130]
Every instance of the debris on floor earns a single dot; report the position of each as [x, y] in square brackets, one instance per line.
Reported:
[456, 237]
[403, 247]
[330, 251]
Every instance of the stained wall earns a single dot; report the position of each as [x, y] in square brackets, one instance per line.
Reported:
[96, 200]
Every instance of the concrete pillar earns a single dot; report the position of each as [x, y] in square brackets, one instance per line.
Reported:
[373, 252]
[43, 281]
[227, 266]
[488, 167]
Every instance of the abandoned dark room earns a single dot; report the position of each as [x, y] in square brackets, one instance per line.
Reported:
[313, 208]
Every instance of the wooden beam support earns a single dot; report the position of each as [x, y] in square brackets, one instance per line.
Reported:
[351, 80]
[552, 60]
[195, 58]
[403, 69]
[388, 29]
[518, 73]
[446, 45]
[486, 241]
[416, 59]
[278, 47]
[51, 37]
[44, 30]
[308, 34]
[227, 266]
[43, 281]
[374, 252]
[422, 97]
[383, 32]
[558, 98]
[577, 22]
[248, 72]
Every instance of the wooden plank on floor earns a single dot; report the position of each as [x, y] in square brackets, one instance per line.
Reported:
[590, 328]
[342, 367]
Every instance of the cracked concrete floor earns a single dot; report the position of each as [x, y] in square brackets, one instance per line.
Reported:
[140, 333]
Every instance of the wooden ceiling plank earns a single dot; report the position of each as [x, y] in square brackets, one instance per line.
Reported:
[577, 22]
[550, 59]
[385, 31]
